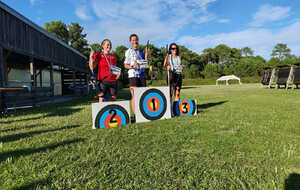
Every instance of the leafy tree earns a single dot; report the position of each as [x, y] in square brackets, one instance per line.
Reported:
[221, 54]
[96, 47]
[189, 58]
[281, 51]
[59, 29]
[212, 71]
[120, 54]
[247, 52]
[77, 38]
[209, 56]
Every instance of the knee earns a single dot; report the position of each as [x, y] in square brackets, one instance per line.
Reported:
[113, 98]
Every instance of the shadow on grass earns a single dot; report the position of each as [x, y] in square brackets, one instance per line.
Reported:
[20, 128]
[292, 182]
[29, 151]
[189, 87]
[202, 107]
[19, 136]
[18, 120]
[32, 185]
[48, 111]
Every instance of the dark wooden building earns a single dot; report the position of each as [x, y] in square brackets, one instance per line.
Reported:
[33, 59]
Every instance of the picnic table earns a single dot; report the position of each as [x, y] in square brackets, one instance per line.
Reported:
[3, 91]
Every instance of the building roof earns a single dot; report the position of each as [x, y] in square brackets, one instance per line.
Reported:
[37, 27]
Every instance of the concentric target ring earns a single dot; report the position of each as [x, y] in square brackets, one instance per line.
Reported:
[153, 104]
[184, 107]
[111, 116]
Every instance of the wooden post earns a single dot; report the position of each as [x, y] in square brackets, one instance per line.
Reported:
[33, 73]
[51, 79]
[2, 79]
[33, 81]
[74, 82]
[2, 69]
[87, 83]
[62, 80]
[41, 77]
[74, 77]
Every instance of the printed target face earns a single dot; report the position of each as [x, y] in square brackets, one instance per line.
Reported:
[112, 116]
[153, 104]
[184, 107]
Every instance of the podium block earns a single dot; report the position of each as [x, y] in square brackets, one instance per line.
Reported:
[152, 103]
[110, 114]
[184, 107]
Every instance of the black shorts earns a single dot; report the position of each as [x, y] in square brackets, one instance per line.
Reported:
[176, 80]
[137, 82]
[108, 90]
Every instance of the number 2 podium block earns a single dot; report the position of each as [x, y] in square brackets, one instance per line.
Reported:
[184, 107]
[152, 103]
[110, 114]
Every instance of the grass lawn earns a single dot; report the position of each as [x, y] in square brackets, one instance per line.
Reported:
[245, 137]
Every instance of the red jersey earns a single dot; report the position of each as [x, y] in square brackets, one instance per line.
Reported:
[103, 62]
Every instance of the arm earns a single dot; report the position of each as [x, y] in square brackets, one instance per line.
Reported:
[92, 61]
[166, 62]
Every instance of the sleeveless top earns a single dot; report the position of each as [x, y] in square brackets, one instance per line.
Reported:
[175, 64]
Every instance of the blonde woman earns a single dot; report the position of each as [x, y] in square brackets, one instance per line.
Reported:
[108, 73]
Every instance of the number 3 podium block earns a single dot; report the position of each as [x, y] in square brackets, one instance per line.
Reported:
[152, 103]
[110, 114]
[184, 107]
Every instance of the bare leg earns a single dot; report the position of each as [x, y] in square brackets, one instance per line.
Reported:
[132, 98]
[177, 93]
[100, 95]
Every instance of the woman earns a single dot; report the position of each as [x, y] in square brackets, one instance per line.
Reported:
[173, 65]
[108, 73]
[133, 57]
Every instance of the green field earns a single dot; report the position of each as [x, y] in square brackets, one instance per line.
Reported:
[246, 137]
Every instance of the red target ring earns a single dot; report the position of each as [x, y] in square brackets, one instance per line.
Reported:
[184, 107]
[113, 121]
[153, 104]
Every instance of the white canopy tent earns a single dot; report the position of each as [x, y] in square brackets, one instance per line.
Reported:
[227, 78]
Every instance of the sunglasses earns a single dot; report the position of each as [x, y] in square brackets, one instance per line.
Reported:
[173, 48]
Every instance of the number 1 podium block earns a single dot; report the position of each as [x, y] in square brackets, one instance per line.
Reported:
[152, 103]
[184, 107]
[110, 114]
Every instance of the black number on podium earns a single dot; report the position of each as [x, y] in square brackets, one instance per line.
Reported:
[114, 113]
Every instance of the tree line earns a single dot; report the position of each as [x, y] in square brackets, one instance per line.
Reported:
[210, 63]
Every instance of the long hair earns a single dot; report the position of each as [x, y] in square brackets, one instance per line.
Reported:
[106, 40]
[170, 47]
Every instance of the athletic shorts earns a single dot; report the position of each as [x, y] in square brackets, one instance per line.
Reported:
[108, 90]
[137, 82]
[176, 80]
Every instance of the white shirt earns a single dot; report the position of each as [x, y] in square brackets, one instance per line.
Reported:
[131, 56]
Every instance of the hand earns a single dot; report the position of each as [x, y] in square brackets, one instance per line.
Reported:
[93, 75]
[135, 65]
[118, 76]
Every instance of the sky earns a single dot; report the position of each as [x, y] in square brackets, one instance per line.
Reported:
[197, 24]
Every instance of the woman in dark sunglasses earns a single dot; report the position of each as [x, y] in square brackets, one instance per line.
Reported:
[173, 65]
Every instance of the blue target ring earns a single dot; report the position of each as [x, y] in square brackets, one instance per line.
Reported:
[111, 116]
[184, 107]
[153, 104]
